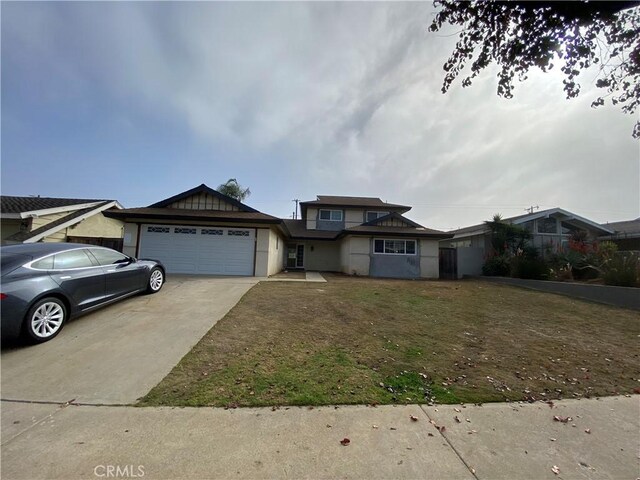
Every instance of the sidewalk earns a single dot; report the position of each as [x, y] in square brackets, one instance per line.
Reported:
[498, 441]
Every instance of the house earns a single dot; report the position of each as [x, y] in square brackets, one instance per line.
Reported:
[203, 231]
[550, 230]
[626, 234]
[45, 219]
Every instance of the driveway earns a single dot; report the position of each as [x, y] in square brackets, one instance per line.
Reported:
[117, 354]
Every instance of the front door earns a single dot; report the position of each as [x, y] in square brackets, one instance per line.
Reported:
[295, 256]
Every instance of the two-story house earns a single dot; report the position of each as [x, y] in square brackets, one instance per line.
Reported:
[204, 231]
[361, 236]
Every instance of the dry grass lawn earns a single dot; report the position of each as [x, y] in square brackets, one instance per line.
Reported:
[358, 340]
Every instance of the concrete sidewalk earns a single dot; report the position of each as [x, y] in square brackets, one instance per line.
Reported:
[498, 441]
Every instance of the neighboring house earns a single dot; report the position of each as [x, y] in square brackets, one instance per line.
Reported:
[550, 230]
[43, 219]
[626, 234]
[204, 231]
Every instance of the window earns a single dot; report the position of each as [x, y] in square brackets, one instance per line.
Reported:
[158, 229]
[331, 215]
[211, 231]
[568, 229]
[394, 247]
[238, 233]
[547, 225]
[374, 215]
[528, 226]
[72, 259]
[188, 231]
[108, 257]
[44, 264]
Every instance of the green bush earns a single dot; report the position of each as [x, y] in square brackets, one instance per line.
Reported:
[497, 266]
[527, 267]
[623, 270]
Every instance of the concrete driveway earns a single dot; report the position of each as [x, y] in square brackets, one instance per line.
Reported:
[117, 354]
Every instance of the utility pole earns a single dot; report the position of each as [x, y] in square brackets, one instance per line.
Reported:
[295, 214]
[531, 208]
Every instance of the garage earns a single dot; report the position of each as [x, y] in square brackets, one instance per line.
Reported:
[198, 249]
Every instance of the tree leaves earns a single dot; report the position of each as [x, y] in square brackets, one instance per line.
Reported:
[519, 35]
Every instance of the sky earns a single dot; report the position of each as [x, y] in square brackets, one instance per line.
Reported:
[140, 101]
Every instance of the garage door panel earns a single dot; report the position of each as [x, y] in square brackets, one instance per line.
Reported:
[206, 250]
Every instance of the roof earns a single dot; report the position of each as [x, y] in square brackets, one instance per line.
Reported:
[519, 219]
[627, 226]
[155, 213]
[342, 201]
[398, 231]
[203, 189]
[51, 227]
[298, 229]
[11, 204]
[393, 216]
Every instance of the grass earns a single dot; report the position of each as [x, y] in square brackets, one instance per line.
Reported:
[356, 340]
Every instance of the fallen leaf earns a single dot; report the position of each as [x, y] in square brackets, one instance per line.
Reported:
[429, 434]
[413, 419]
[456, 419]
[457, 410]
[374, 426]
[552, 439]
[587, 430]
[562, 419]
[328, 426]
[555, 470]
[345, 441]
[441, 429]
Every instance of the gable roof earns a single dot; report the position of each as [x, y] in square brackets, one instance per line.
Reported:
[519, 219]
[627, 226]
[71, 219]
[180, 214]
[342, 201]
[203, 189]
[21, 207]
[393, 216]
[297, 229]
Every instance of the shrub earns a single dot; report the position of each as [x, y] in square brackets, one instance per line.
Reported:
[623, 270]
[527, 267]
[497, 266]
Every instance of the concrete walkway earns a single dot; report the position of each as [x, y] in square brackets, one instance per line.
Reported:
[309, 277]
[494, 441]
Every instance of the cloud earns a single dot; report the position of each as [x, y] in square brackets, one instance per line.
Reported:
[340, 98]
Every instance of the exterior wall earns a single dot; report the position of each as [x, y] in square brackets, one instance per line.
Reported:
[97, 226]
[40, 221]
[395, 266]
[262, 252]
[394, 222]
[130, 241]
[10, 226]
[203, 201]
[57, 237]
[429, 258]
[321, 255]
[354, 254]
[470, 261]
[277, 251]
[312, 215]
[353, 217]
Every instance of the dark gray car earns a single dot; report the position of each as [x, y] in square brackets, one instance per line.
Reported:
[45, 284]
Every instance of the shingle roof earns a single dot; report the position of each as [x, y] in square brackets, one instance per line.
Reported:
[10, 204]
[298, 229]
[627, 226]
[333, 200]
[400, 231]
[202, 189]
[22, 236]
[196, 215]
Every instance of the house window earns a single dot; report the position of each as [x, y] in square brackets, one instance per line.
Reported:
[331, 215]
[547, 225]
[374, 215]
[211, 231]
[394, 247]
[568, 229]
[528, 226]
[188, 231]
[158, 229]
[238, 233]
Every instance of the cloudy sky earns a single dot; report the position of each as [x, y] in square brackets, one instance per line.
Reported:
[140, 101]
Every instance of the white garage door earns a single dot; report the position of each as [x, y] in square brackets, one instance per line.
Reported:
[206, 250]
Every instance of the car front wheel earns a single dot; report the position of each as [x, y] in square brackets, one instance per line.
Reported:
[45, 319]
[156, 280]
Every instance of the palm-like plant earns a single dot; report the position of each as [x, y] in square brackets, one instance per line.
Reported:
[233, 189]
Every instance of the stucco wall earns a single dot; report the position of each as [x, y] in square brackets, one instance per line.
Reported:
[312, 215]
[353, 217]
[395, 266]
[277, 249]
[429, 258]
[354, 253]
[470, 261]
[42, 220]
[97, 226]
[323, 256]
[262, 252]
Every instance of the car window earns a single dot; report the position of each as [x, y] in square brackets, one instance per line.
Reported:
[72, 259]
[44, 264]
[108, 257]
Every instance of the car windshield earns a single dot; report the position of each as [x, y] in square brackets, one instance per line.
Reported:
[10, 261]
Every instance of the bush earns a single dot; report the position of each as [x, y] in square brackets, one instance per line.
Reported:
[527, 267]
[623, 270]
[497, 266]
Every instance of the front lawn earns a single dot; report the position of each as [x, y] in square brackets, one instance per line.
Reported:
[358, 340]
